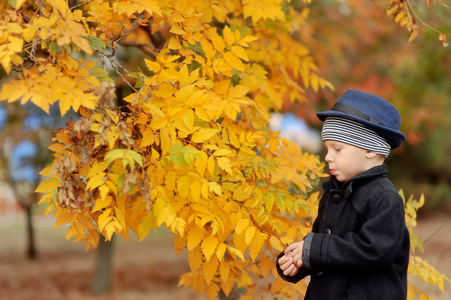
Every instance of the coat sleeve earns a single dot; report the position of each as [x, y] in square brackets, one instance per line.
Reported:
[374, 247]
[302, 273]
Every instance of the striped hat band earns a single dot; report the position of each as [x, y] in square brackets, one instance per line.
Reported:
[353, 133]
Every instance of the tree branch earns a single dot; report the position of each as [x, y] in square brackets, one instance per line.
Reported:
[153, 52]
[116, 67]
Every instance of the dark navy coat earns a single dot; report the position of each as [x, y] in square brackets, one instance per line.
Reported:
[359, 245]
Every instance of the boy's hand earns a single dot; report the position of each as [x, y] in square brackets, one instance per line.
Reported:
[295, 251]
[287, 265]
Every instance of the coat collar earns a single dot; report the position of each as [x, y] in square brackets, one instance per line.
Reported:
[333, 183]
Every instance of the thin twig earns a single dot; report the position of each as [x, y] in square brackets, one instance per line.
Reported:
[423, 22]
[78, 5]
[438, 229]
[142, 46]
[116, 67]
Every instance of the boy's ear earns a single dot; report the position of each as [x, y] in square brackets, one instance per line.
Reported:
[370, 154]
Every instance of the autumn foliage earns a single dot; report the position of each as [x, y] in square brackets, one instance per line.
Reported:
[191, 150]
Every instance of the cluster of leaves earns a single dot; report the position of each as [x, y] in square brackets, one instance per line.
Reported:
[418, 266]
[405, 15]
[192, 151]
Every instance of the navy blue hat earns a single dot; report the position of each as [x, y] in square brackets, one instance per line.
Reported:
[370, 110]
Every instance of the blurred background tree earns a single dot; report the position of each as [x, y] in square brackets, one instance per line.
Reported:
[25, 132]
[355, 48]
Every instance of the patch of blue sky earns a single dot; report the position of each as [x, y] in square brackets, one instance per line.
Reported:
[296, 130]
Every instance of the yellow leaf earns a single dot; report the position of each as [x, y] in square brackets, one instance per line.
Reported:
[203, 134]
[145, 225]
[183, 186]
[111, 228]
[102, 203]
[211, 165]
[224, 270]
[266, 265]
[220, 251]
[163, 215]
[228, 36]
[29, 33]
[223, 152]
[208, 48]
[19, 4]
[48, 209]
[152, 65]
[96, 181]
[233, 61]
[275, 243]
[196, 190]
[165, 90]
[221, 87]
[176, 29]
[148, 138]
[194, 237]
[188, 119]
[250, 234]
[239, 91]
[195, 259]
[201, 163]
[212, 290]
[227, 286]
[240, 52]
[256, 245]
[179, 245]
[209, 269]
[224, 164]
[205, 190]
[209, 246]
[215, 187]
[236, 252]
[244, 41]
[241, 225]
[64, 219]
[218, 41]
[120, 215]
[104, 219]
[170, 180]
[48, 186]
[174, 44]
[278, 284]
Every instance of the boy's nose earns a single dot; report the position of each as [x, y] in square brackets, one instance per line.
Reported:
[328, 157]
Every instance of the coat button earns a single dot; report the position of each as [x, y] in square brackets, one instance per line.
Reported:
[336, 199]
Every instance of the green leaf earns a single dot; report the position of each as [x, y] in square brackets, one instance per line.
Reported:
[176, 147]
[68, 48]
[95, 42]
[127, 157]
[99, 73]
[53, 48]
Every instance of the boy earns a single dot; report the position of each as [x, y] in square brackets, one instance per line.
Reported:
[359, 244]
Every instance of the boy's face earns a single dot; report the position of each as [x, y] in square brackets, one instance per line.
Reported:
[345, 161]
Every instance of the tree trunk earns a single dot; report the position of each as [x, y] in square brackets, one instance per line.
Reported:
[31, 247]
[101, 282]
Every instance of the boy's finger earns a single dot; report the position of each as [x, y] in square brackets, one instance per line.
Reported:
[284, 259]
[289, 270]
[297, 256]
[299, 263]
[290, 248]
[295, 271]
[285, 262]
